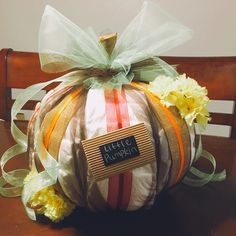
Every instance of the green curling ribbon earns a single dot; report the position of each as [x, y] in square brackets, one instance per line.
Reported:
[202, 178]
[16, 178]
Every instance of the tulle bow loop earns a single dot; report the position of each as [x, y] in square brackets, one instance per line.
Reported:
[64, 46]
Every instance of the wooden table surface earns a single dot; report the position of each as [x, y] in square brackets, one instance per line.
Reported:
[182, 210]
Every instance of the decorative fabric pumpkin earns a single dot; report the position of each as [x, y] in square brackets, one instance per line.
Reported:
[122, 94]
[96, 112]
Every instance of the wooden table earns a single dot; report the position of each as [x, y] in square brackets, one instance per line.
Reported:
[182, 210]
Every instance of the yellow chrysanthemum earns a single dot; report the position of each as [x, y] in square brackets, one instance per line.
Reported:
[50, 202]
[184, 93]
[162, 86]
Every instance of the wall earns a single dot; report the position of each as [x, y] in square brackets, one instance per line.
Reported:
[213, 21]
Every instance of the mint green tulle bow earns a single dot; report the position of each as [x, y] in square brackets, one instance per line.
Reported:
[64, 46]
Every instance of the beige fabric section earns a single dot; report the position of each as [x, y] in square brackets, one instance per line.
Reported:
[144, 182]
[172, 140]
[73, 166]
[74, 176]
[164, 160]
[95, 125]
[95, 198]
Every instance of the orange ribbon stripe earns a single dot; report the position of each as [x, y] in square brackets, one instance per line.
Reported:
[173, 123]
[119, 186]
[57, 115]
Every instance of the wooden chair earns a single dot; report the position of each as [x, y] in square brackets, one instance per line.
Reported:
[19, 70]
[182, 210]
[218, 74]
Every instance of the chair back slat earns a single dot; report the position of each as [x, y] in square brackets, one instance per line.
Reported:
[221, 119]
[218, 74]
[23, 70]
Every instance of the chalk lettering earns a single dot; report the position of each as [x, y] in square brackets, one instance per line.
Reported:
[119, 150]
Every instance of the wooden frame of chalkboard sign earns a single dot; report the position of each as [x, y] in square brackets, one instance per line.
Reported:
[119, 151]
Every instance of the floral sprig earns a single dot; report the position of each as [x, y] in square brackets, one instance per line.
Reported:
[186, 94]
[50, 202]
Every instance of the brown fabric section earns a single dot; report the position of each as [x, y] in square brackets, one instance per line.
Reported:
[95, 200]
[171, 138]
[61, 125]
[56, 139]
[45, 126]
[53, 102]
[31, 131]
[185, 138]
[162, 168]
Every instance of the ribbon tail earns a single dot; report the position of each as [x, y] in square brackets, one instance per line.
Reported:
[147, 70]
[202, 178]
[16, 177]
[168, 70]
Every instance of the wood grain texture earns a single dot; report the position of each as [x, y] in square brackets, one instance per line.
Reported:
[218, 74]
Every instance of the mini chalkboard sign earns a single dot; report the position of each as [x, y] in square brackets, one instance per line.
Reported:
[119, 150]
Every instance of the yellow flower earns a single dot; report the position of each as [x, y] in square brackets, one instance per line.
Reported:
[184, 93]
[50, 202]
[162, 86]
